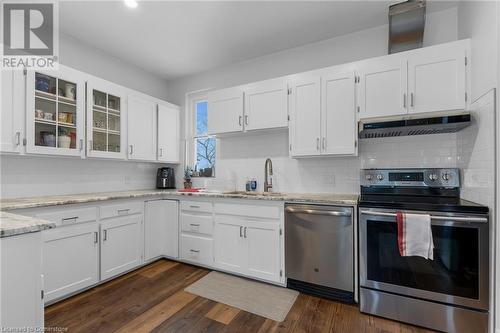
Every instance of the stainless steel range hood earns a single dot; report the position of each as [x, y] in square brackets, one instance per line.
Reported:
[406, 25]
[384, 128]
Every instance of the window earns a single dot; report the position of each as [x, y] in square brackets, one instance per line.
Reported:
[204, 145]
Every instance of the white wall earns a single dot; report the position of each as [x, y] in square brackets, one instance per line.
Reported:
[76, 54]
[241, 157]
[478, 20]
[34, 176]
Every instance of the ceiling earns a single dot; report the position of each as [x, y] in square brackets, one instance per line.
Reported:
[175, 39]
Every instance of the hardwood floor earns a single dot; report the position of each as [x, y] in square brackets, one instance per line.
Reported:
[152, 299]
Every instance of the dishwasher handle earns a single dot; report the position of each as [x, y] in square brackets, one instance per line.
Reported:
[317, 212]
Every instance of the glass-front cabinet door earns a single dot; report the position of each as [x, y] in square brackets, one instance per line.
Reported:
[105, 120]
[55, 112]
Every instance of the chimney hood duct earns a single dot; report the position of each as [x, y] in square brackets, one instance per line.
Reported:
[406, 25]
[370, 129]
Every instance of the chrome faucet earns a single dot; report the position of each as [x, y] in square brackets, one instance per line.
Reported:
[268, 182]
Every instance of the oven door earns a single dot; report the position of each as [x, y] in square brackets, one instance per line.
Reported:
[457, 275]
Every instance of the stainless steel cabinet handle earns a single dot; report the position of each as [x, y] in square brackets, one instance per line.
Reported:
[404, 100]
[317, 143]
[91, 145]
[105, 235]
[18, 138]
[161, 152]
[317, 212]
[194, 224]
[195, 251]
[131, 149]
[81, 144]
[245, 232]
[96, 237]
[241, 231]
[239, 120]
[69, 219]
[324, 143]
[246, 120]
[411, 100]
[123, 211]
[193, 206]
[433, 217]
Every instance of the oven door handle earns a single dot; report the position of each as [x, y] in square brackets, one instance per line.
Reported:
[433, 217]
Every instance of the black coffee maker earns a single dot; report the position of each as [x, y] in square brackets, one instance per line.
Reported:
[165, 178]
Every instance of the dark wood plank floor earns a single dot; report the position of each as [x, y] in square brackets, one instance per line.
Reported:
[152, 299]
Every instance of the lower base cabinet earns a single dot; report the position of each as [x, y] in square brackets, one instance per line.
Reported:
[121, 248]
[161, 229]
[249, 244]
[21, 283]
[70, 259]
[196, 250]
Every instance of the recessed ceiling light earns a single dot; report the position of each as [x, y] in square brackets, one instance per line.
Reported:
[131, 3]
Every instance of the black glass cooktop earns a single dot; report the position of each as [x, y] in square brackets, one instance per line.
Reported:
[417, 202]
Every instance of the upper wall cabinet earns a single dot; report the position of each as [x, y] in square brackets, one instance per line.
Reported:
[12, 111]
[266, 105]
[225, 111]
[55, 112]
[305, 116]
[323, 114]
[142, 128]
[437, 78]
[383, 86]
[418, 81]
[106, 119]
[168, 134]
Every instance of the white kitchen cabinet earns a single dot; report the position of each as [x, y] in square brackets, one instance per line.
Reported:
[225, 111]
[383, 86]
[106, 119]
[196, 250]
[230, 249]
[263, 241]
[142, 128]
[424, 80]
[12, 111]
[121, 244]
[55, 112]
[248, 240]
[338, 113]
[21, 282]
[305, 116]
[168, 134]
[161, 229]
[437, 78]
[266, 105]
[323, 114]
[70, 259]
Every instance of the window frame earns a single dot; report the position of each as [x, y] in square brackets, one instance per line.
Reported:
[192, 100]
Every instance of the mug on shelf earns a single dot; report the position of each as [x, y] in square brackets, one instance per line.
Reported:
[64, 141]
[48, 139]
[39, 114]
[48, 116]
[63, 117]
[42, 83]
[70, 91]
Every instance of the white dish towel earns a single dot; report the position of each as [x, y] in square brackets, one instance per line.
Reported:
[415, 235]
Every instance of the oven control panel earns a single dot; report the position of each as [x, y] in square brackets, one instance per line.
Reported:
[411, 177]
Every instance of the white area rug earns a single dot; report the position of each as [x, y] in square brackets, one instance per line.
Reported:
[259, 298]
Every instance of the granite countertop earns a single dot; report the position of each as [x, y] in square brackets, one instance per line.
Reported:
[46, 201]
[13, 224]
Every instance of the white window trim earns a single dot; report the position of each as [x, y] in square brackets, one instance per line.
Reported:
[190, 127]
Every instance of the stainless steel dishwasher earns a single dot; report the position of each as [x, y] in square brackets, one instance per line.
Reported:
[319, 250]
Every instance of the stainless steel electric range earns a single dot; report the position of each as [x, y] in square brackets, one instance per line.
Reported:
[449, 293]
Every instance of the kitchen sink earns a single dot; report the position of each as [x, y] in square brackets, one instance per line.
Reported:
[255, 193]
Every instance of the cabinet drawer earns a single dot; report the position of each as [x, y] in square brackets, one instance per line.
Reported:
[258, 211]
[196, 249]
[197, 206]
[69, 216]
[197, 223]
[126, 208]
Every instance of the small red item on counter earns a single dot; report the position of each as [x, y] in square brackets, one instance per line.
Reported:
[190, 190]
